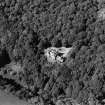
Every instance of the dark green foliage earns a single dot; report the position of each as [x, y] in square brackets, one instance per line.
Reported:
[4, 58]
[27, 27]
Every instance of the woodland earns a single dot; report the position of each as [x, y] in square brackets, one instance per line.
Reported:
[27, 27]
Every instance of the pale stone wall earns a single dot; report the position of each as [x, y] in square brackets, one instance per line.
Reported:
[101, 14]
[57, 55]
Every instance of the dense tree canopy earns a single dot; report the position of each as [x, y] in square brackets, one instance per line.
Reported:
[27, 27]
